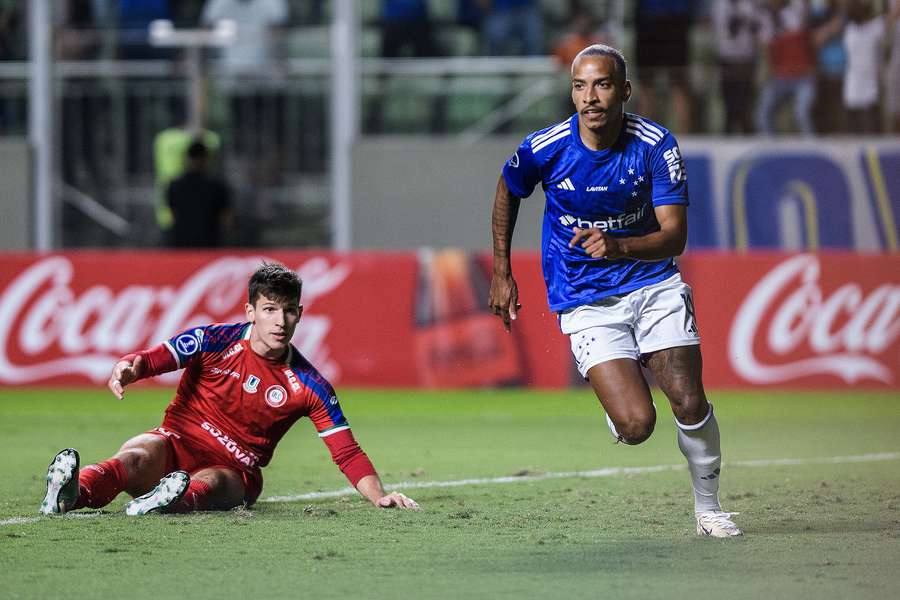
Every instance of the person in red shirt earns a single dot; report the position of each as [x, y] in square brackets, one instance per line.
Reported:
[243, 387]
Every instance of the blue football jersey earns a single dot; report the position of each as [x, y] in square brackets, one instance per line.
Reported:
[614, 189]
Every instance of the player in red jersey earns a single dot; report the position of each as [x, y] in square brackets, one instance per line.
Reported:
[243, 387]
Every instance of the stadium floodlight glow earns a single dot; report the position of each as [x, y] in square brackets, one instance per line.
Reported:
[163, 34]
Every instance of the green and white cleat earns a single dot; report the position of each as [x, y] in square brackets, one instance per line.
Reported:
[717, 524]
[168, 491]
[62, 483]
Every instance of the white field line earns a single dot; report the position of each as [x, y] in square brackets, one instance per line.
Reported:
[28, 520]
[605, 472]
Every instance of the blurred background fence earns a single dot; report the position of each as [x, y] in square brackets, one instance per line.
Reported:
[268, 100]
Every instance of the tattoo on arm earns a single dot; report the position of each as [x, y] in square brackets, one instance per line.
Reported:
[503, 222]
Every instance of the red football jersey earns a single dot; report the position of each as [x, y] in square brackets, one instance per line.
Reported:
[247, 402]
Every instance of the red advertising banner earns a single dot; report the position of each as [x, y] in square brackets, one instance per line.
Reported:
[420, 319]
[828, 320]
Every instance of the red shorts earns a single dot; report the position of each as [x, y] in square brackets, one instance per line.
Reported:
[187, 451]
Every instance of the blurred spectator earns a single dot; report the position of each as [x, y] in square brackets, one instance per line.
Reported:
[170, 148]
[784, 27]
[255, 97]
[259, 25]
[77, 32]
[863, 41]
[512, 27]
[827, 20]
[10, 49]
[584, 32]
[134, 18]
[736, 27]
[200, 203]
[662, 29]
[406, 29]
[10, 33]
[469, 14]
[893, 74]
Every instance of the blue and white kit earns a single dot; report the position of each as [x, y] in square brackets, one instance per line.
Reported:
[615, 189]
[610, 309]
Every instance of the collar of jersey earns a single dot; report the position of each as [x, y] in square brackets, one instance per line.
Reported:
[596, 155]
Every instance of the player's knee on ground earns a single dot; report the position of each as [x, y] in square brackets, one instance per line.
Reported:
[226, 487]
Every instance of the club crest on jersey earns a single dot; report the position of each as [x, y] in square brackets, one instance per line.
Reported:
[251, 384]
[276, 396]
[189, 343]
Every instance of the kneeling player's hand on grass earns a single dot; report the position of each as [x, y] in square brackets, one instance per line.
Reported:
[397, 500]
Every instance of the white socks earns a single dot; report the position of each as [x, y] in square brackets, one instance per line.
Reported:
[700, 445]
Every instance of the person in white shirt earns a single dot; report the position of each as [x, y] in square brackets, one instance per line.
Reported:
[893, 70]
[864, 36]
[736, 24]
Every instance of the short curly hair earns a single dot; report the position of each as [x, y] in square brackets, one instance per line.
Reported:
[274, 281]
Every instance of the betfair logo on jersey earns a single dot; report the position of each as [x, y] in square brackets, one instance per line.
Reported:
[617, 222]
[292, 380]
[676, 165]
[251, 385]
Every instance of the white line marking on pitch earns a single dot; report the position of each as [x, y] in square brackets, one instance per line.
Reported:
[28, 520]
[606, 472]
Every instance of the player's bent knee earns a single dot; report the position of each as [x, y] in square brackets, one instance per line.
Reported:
[635, 429]
[226, 487]
[690, 409]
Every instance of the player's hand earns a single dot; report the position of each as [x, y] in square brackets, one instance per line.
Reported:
[504, 299]
[397, 500]
[596, 243]
[123, 373]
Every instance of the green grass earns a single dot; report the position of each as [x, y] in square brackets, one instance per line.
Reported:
[812, 530]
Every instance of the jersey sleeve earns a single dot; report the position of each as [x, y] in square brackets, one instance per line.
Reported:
[325, 410]
[192, 343]
[521, 171]
[668, 173]
[328, 418]
[348, 456]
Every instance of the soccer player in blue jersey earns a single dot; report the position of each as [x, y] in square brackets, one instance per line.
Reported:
[615, 218]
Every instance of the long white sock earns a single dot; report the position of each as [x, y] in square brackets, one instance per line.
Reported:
[700, 445]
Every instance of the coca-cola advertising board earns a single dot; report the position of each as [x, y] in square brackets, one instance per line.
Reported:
[828, 320]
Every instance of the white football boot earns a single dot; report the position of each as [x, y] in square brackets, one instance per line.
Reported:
[167, 492]
[62, 483]
[718, 524]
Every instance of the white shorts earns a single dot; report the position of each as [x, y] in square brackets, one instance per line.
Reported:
[651, 318]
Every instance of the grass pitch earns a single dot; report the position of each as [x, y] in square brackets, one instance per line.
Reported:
[813, 528]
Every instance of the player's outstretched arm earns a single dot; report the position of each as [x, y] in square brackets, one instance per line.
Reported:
[504, 296]
[370, 487]
[124, 372]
